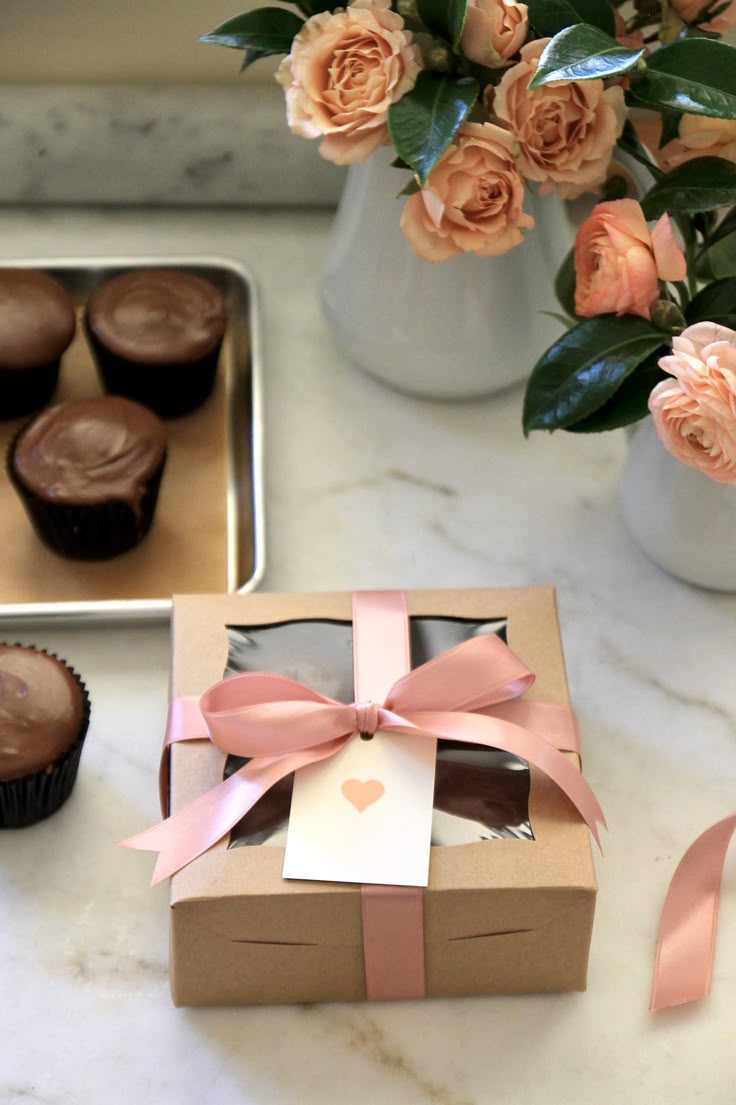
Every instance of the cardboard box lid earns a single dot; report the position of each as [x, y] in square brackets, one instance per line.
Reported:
[557, 863]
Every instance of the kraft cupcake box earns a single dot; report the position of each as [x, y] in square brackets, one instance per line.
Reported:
[508, 915]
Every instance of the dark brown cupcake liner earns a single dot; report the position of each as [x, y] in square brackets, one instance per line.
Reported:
[170, 390]
[91, 531]
[39, 794]
[24, 390]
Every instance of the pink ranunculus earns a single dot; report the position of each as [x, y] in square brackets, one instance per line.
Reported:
[344, 71]
[619, 263]
[472, 202]
[695, 411]
[566, 130]
[701, 136]
[689, 10]
[494, 30]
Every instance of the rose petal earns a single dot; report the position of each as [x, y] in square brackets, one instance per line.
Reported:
[668, 257]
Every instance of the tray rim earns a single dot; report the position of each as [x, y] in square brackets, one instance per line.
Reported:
[146, 610]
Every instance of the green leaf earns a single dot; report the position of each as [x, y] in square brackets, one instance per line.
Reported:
[712, 11]
[425, 120]
[629, 403]
[251, 55]
[564, 320]
[723, 320]
[725, 227]
[313, 7]
[711, 262]
[565, 284]
[670, 127]
[443, 17]
[692, 31]
[694, 75]
[718, 260]
[410, 188]
[714, 301]
[584, 368]
[583, 53]
[260, 33]
[702, 184]
[550, 16]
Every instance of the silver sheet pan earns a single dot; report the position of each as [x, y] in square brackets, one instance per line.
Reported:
[242, 430]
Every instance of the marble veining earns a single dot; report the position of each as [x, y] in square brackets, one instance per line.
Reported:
[367, 488]
[670, 690]
[157, 144]
[364, 1035]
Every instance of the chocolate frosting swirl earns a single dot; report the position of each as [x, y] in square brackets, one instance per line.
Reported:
[90, 451]
[37, 320]
[41, 710]
[157, 316]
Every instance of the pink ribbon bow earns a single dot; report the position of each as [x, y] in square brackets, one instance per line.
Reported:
[466, 694]
[687, 931]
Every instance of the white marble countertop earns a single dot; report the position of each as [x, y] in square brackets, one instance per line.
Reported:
[366, 488]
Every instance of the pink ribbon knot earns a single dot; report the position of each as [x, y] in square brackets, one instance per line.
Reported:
[366, 718]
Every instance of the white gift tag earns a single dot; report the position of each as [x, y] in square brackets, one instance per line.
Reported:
[364, 815]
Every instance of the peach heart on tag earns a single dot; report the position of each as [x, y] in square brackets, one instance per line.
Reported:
[362, 793]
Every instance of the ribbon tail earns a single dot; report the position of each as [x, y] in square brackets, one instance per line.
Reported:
[192, 830]
[499, 733]
[557, 724]
[687, 931]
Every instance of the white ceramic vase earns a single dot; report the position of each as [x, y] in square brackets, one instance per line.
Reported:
[684, 521]
[465, 327]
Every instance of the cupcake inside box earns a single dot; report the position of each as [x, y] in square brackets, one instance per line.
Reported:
[202, 536]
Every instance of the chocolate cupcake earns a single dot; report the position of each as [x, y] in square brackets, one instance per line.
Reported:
[44, 715]
[156, 335]
[37, 324]
[88, 473]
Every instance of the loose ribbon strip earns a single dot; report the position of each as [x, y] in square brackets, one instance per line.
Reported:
[282, 725]
[687, 931]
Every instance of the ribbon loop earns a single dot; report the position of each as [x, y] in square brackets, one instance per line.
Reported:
[477, 673]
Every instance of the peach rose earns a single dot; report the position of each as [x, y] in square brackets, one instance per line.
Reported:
[493, 31]
[566, 131]
[689, 10]
[472, 202]
[701, 136]
[618, 263]
[695, 412]
[344, 71]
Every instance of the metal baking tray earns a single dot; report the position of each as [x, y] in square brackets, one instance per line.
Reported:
[215, 469]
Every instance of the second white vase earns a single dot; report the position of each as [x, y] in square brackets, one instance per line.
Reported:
[469, 326]
[683, 521]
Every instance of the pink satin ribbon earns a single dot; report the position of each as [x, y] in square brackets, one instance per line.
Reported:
[392, 916]
[687, 931]
[393, 942]
[283, 726]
